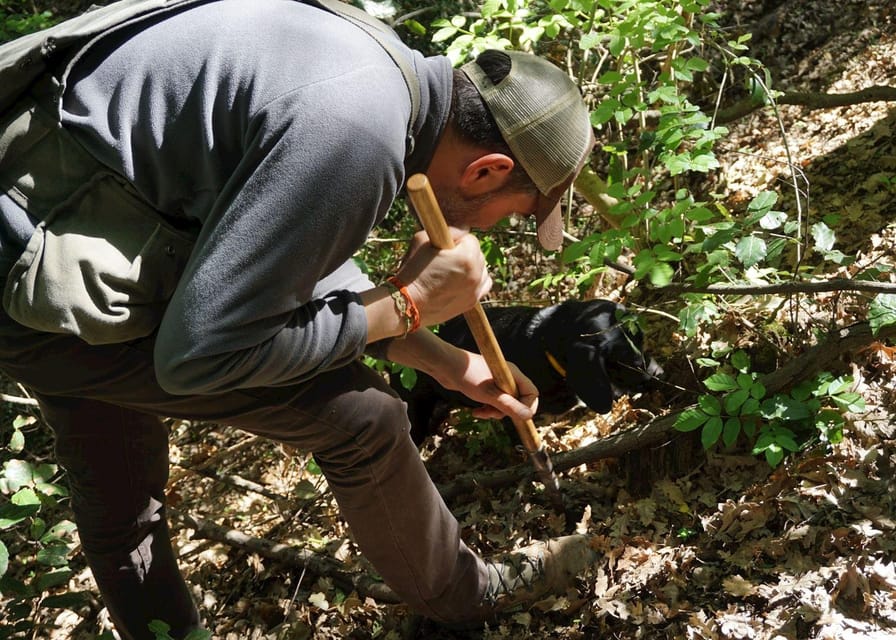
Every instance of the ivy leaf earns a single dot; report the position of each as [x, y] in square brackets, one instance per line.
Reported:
[882, 312]
[750, 250]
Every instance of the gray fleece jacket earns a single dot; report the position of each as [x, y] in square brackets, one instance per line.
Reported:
[282, 129]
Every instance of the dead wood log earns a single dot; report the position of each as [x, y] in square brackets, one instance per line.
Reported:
[659, 431]
[364, 584]
[876, 93]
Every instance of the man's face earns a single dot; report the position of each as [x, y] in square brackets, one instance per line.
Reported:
[485, 211]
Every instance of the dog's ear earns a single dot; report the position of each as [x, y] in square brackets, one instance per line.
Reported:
[586, 375]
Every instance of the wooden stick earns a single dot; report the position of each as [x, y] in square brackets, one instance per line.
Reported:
[427, 207]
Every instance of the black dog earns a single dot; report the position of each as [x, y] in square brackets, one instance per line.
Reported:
[577, 350]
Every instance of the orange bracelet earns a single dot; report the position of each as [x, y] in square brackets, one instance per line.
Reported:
[405, 305]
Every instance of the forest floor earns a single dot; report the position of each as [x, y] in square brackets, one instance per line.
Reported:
[728, 549]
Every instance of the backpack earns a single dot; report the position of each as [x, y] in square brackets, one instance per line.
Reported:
[24, 59]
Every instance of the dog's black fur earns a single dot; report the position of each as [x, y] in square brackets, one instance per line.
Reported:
[601, 357]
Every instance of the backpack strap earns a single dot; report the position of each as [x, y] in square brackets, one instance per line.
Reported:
[386, 38]
[24, 59]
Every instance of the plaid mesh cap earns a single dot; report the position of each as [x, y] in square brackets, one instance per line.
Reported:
[544, 121]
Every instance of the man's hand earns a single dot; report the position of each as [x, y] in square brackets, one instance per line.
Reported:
[476, 382]
[467, 373]
[445, 282]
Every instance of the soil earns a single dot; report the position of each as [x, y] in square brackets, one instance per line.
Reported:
[725, 548]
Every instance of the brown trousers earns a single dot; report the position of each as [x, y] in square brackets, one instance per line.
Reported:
[104, 405]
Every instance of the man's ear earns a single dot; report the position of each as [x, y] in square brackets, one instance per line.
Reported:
[485, 174]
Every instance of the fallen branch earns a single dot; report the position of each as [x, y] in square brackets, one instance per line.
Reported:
[661, 430]
[322, 566]
[876, 93]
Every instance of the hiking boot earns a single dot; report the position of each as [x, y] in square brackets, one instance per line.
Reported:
[540, 569]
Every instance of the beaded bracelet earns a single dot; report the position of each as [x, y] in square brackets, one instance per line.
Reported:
[405, 305]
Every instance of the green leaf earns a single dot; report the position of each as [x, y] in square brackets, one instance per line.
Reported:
[852, 402]
[415, 27]
[750, 407]
[11, 514]
[589, 41]
[4, 558]
[711, 432]
[744, 381]
[661, 274]
[697, 64]
[54, 555]
[710, 405]
[60, 532]
[740, 361]
[616, 44]
[408, 377]
[443, 34]
[690, 419]
[882, 311]
[25, 496]
[160, 629]
[17, 441]
[773, 220]
[774, 455]
[18, 473]
[824, 237]
[734, 401]
[53, 579]
[730, 431]
[762, 201]
[750, 250]
[720, 382]
[70, 600]
[757, 390]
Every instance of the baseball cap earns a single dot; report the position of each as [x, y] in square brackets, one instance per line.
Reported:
[544, 121]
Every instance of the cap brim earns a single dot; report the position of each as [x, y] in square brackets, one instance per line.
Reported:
[549, 222]
[548, 217]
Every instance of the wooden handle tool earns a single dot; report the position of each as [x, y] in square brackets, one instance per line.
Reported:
[427, 207]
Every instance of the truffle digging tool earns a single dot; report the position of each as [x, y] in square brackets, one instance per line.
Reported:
[427, 207]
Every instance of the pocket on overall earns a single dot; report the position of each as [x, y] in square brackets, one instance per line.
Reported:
[102, 265]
